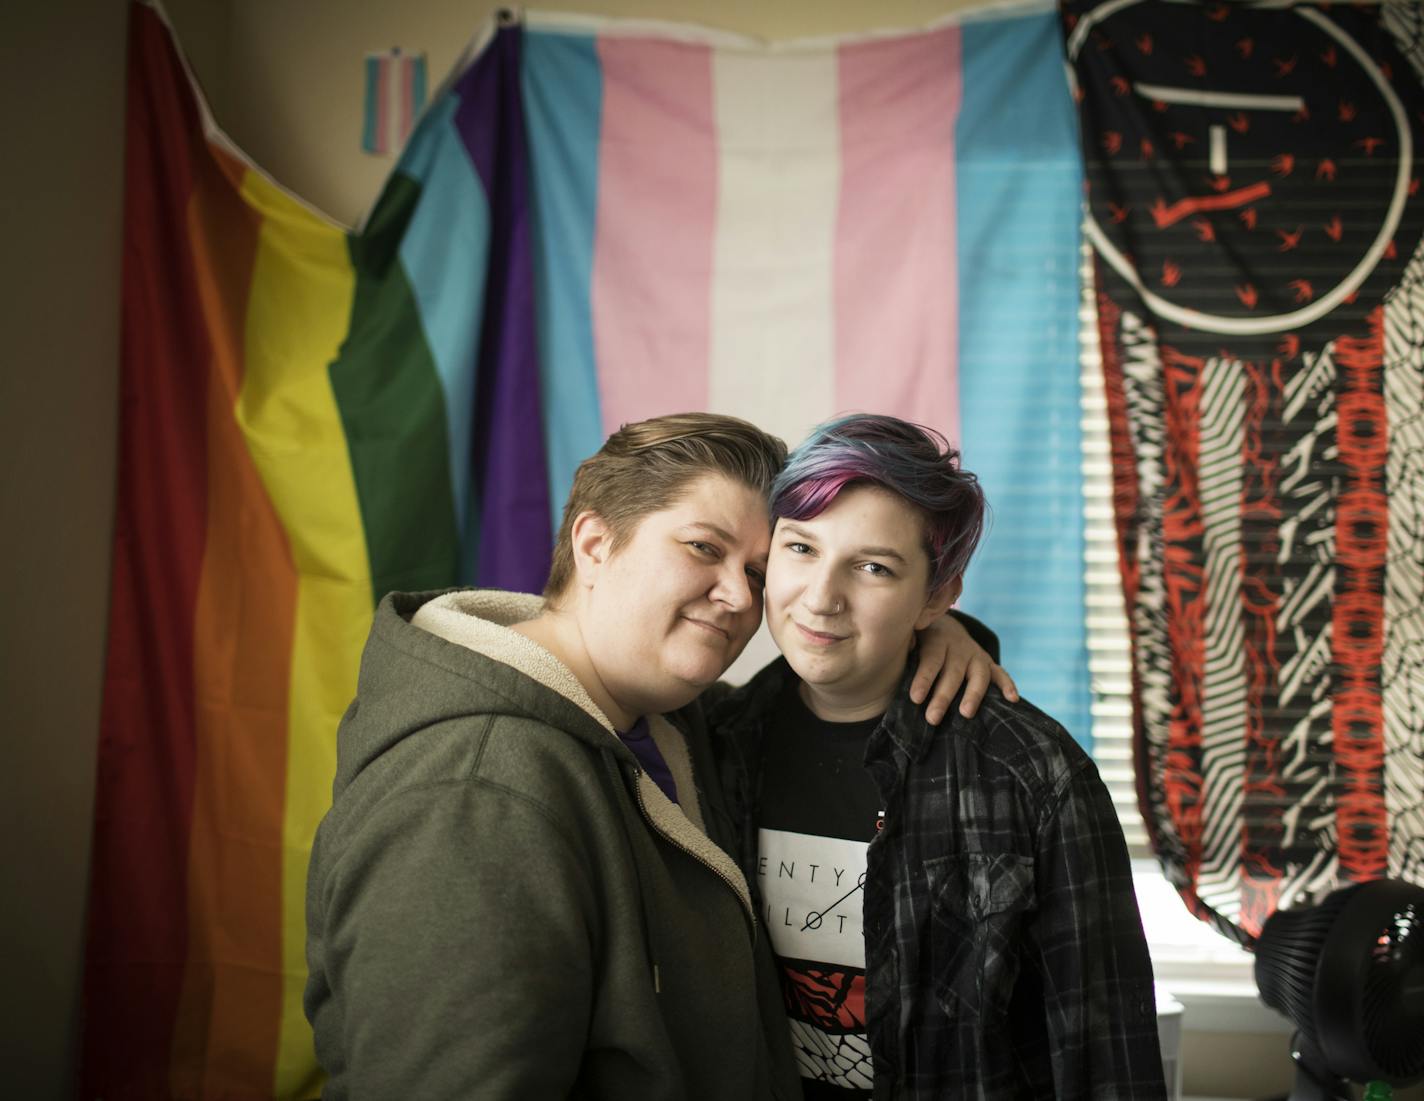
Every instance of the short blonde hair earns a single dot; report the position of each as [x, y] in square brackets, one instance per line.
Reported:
[643, 468]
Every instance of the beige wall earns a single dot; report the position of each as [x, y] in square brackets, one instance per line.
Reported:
[288, 86]
[284, 79]
[61, 124]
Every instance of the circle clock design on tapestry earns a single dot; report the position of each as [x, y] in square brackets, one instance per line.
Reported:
[1233, 172]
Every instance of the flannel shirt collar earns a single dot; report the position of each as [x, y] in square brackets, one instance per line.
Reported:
[904, 722]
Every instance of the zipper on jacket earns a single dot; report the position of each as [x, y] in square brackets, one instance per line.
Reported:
[731, 886]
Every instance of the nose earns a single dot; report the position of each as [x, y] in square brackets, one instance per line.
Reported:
[733, 589]
[822, 596]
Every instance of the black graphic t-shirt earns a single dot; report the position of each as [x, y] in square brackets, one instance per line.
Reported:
[819, 811]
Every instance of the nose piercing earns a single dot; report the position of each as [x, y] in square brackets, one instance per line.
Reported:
[837, 609]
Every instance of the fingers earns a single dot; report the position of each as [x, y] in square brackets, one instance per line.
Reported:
[946, 687]
[976, 683]
[1006, 683]
[930, 662]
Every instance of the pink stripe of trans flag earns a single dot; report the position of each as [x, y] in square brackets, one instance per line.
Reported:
[657, 205]
[896, 279]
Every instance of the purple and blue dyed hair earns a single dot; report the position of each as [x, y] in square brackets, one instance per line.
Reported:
[907, 459]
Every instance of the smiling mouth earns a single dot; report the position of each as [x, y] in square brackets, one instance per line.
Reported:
[710, 628]
[819, 638]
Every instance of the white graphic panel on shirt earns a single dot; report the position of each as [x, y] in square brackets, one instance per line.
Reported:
[814, 891]
[813, 887]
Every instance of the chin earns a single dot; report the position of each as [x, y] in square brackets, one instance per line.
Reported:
[674, 693]
[699, 673]
[812, 672]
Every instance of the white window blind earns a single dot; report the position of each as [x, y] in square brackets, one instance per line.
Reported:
[1109, 657]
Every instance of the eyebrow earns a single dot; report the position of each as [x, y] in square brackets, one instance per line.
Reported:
[873, 552]
[702, 525]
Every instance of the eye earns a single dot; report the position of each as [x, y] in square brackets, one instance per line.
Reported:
[798, 548]
[757, 577]
[707, 550]
[876, 569]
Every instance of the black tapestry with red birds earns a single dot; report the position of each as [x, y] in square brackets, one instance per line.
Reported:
[1254, 211]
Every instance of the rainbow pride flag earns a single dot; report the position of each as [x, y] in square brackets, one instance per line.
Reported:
[592, 223]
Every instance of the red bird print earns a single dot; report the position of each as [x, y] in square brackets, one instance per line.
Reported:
[1284, 66]
[1289, 346]
[1221, 183]
[1248, 217]
[1147, 150]
[1120, 86]
[1205, 231]
[1196, 65]
[1144, 43]
[1303, 115]
[1159, 105]
[1369, 145]
[1329, 57]
[1283, 164]
[1386, 71]
[1335, 229]
[1171, 274]
[1245, 47]
[1413, 186]
[1325, 170]
[1078, 94]
[1181, 140]
[1350, 298]
[1240, 122]
[1347, 111]
[1118, 212]
[1304, 292]
[1289, 240]
[1217, 13]
[1390, 252]
[1247, 293]
[1112, 142]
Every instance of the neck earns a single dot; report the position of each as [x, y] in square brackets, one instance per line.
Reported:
[558, 631]
[848, 707]
[852, 702]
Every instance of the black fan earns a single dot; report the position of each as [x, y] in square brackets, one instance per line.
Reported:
[1349, 973]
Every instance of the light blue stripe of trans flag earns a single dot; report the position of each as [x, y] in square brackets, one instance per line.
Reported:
[1019, 183]
[563, 108]
[445, 256]
[369, 107]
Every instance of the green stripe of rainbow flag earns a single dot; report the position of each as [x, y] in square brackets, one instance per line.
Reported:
[285, 458]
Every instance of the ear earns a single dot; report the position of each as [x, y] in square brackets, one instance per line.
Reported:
[939, 602]
[592, 542]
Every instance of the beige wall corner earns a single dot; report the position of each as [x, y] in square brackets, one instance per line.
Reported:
[61, 98]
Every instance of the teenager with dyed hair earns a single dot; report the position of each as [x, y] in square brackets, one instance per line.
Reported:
[523, 887]
[951, 903]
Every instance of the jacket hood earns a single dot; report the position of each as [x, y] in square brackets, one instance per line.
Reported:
[442, 655]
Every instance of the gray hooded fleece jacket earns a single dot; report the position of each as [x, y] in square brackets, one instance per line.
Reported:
[501, 903]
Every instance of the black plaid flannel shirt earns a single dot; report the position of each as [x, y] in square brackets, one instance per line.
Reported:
[1004, 952]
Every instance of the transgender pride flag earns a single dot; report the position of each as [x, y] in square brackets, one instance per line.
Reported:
[886, 225]
[592, 223]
